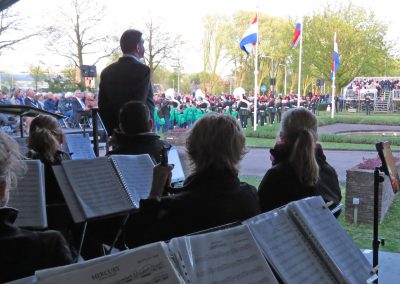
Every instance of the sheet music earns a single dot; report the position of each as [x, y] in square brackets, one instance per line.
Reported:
[177, 172]
[69, 195]
[97, 187]
[147, 264]
[136, 171]
[225, 256]
[286, 249]
[26, 280]
[29, 197]
[80, 146]
[332, 238]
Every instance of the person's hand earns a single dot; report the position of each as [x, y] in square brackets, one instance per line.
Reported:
[161, 178]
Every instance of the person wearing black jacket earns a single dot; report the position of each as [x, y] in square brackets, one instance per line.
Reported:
[44, 144]
[212, 195]
[134, 135]
[22, 251]
[299, 166]
[125, 80]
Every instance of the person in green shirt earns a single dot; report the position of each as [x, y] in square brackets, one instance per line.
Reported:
[227, 110]
[235, 113]
[190, 115]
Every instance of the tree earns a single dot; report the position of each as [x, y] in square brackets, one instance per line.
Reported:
[362, 47]
[76, 35]
[162, 46]
[11, 29]
[64, 82]
[38, 74]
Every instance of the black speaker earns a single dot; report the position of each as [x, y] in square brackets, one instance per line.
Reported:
[89, 71]
[272, 81]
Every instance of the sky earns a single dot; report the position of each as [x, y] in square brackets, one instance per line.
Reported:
[179, 16]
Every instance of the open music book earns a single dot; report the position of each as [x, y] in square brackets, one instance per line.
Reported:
[225, 256]
[304, 243]
[104, 186]
[79, 146]
[29, 197]
[146, 264]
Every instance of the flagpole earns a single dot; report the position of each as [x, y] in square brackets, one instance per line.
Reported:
[255, 79]
[300, 53]
[333, 80]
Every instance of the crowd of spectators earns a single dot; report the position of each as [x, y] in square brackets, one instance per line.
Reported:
[71, 105]
[364, 86]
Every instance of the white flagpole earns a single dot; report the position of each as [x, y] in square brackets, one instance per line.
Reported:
[300, 53]
[333, 79]
[255, 79]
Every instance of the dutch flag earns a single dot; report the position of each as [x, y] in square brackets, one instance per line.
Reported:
[335, 58]
[297, 33]
[250, 37]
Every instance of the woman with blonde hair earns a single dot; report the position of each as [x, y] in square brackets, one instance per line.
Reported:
[211, 196]
[45, 140]
[299, 167]
[44, 143]
[22, 251]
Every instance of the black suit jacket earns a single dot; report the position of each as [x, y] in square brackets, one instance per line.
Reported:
[32, 103]
[76, 105]
[123, 81]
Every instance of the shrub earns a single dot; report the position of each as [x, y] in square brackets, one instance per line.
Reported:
[370, 164]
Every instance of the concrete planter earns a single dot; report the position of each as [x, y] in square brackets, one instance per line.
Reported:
[360, 185]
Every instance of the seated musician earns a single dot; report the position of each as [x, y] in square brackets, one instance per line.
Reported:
[299, 166]
[23, 251]
[44, 143]
[134, 135]
[212, 195]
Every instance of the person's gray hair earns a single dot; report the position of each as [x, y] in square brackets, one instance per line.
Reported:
[11, 165]
[216, 141]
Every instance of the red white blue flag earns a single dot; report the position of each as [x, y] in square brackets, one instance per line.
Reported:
[335, 58]
[250, 37]
[297, 33]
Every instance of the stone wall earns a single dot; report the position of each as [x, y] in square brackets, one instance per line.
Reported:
[360, 184]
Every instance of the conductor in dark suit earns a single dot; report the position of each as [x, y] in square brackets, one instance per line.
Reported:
[125, 80]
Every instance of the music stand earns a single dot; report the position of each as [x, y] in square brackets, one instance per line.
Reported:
[23, 110]
[388, 168]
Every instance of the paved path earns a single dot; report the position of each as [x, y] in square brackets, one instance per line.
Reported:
[342, 127]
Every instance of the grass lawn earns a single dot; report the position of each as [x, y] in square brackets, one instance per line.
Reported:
[362, 234]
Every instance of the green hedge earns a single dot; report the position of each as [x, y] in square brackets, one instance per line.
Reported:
[355, 139]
